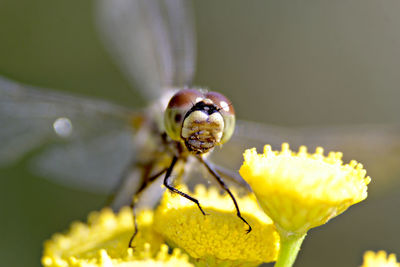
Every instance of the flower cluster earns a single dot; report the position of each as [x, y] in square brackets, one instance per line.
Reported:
[212, 240]
[293, 192]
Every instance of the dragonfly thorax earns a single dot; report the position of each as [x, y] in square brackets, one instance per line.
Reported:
[201, 120]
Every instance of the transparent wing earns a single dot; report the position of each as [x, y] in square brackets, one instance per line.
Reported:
[377, 147]
[152, 41]
[94, 138]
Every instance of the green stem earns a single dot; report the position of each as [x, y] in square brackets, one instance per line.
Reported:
[289, 248]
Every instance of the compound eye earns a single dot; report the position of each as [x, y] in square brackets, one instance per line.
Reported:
[176, 110]
[185, 99]
[222, 102]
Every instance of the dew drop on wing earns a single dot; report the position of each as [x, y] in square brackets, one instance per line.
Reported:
[63, 127]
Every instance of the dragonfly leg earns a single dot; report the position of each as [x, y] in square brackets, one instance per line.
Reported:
[173, 189]
[142, 187]
[136, 230]
[230, 175]
[225, 187]
[149, 180]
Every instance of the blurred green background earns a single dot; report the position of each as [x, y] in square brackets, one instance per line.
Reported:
[291, 63]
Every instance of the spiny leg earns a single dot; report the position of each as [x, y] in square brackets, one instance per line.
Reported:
[142, 187]
[173, 189]
[230, 175]
[134, 225]
[225, 187]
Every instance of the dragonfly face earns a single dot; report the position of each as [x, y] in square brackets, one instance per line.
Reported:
[201, 120]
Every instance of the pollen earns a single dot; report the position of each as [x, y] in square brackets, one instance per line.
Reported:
[106, 235]
[379, 259]
[299, 190]
[220, 236]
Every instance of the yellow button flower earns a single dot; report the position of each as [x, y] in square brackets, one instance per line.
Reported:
[219, 237]
[379, 259]
[301, 190]
[146, 259]
[105, 236]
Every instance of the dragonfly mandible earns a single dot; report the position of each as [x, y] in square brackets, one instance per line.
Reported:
[91, 143]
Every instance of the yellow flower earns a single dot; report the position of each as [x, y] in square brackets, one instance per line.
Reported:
[379, 259]
[146, 259]
[106, 235]
[300, 191]
[219, 238]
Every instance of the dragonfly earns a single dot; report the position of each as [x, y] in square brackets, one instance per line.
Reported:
[98, 146]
